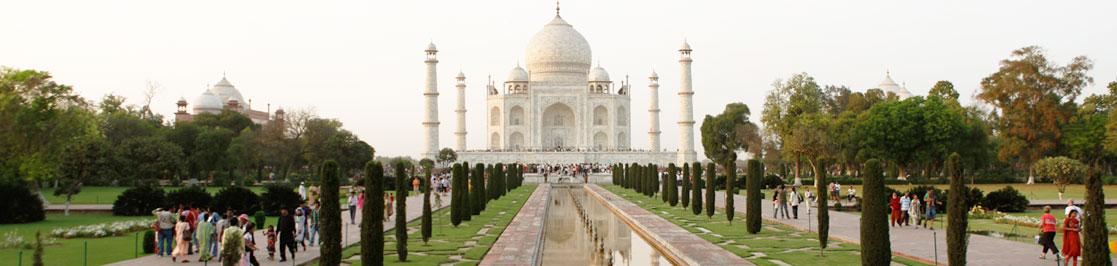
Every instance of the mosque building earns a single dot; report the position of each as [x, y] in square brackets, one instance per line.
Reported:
[560, 108]
[225, 96]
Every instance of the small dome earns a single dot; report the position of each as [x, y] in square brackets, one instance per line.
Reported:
[207, 102]
[888, 85]
[431, 47]
[686, 46]
[558, 48]
[598, 74]
[654, 75]
[460, 75]
[226, 92]
[517, 74]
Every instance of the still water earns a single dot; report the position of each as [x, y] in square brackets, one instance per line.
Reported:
[581, 231]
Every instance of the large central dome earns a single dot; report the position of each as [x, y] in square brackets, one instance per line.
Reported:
[558, 48]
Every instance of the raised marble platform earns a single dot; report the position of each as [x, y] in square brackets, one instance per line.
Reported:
[566, 157]
[521, 243]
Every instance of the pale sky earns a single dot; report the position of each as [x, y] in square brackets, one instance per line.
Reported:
[362, 61]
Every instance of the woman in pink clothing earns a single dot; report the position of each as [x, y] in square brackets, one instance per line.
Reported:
[1047, 233]
[182, 239]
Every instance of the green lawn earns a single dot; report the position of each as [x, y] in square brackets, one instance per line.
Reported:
[447, 240]
[1032, 192]
[106, 195]
[69, 251]
[775, 241]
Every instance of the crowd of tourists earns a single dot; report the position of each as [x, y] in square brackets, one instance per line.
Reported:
[230, 237]
[909, 208]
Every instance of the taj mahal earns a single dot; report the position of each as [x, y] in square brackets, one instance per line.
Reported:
[561, 109]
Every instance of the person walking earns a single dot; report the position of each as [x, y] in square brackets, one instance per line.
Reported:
[905, 205]
[182, 239]
[1072, 245]
[286, 228]
[352, 206]
[232, 243]
[314, 216]
[250, 246]
[1047, 233]
[204, 236]
[775, 203]
[165, 221]
[783, 201]
[894, 205]
[930, 202]
[300, 229]
[915, 213]
[795, 200]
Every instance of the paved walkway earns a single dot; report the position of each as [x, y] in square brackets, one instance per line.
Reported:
[521, 243]
[351, 234]
[911, 242]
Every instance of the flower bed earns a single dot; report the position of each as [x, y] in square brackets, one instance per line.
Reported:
[102, 230]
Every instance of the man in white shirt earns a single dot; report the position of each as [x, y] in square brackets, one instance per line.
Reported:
[1070, 207]
[905, 205]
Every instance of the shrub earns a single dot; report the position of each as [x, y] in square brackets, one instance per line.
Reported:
[372, 249]
[457, 202]
[772, 181]
[260, 219]
[956, 238]
[752, 199]
[140, 200]
[1007, 199]
[149, 242]
[194, 196]
[401, 211]
[711, 171]
[20, 206]
[823, 214]
[278, 196]
[696, 192]
[238, 199]
[1094, 249]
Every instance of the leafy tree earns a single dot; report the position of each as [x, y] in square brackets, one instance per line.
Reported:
[685, 194]
[211, 149]
[712, 172]
[330, 219]
[401, 210]
[956, 236]
[1095, 250]
[789, 101]
[183, 134]
[446, 156]
[753, 197]
[1032, 97]
[696, 193]
[823, 208]
[230, 120]
[139, 200]
[876, 249]
[149, 157]
[89, 158]
[372, 248]
[1062, 170]
[426, 186]
[279, 196]
[720, 134]
[945, 90]
[912, 130]
[23, 206]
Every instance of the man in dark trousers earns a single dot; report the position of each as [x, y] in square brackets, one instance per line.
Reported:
[286, 231]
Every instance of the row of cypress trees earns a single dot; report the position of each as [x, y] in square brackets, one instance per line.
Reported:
[645, 179]
[472, 191]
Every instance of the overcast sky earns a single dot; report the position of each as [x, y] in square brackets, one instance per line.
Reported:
[362, 61]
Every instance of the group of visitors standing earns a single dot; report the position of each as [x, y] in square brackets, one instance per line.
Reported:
[184, 231]
[1072, 225]
[910, 207]
[784, 197]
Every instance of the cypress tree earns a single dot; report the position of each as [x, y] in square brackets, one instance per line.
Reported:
[696, 194]
[665, 191]
[330, 219]
[730, 189]
[712, 172]
[401, 211]
[684, 196]
[956, 238]
[372, 248]
[457, 193]
[633, 176]
[753, 197]
[876, 249]
[638, 176]
[823, 207]
[477, 190]
[654, 176]
[673, 186]
[1094, 245]
[426, 220]
[500, 181]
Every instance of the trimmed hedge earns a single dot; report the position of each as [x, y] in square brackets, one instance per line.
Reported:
[139, 200]
[278, 196]
[1007, 199]
[191, 196]
[21, 206]
[238, 199]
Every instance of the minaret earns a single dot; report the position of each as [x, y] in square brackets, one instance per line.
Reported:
[460, 134]
[686, 112]
[430, 95]
[653, 112]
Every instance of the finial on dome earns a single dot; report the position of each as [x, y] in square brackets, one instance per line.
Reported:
[557, 9]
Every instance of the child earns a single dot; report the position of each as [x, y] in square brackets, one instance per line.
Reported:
[271, 242]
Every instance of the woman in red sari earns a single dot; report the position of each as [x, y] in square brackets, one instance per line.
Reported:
[1072, 247]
